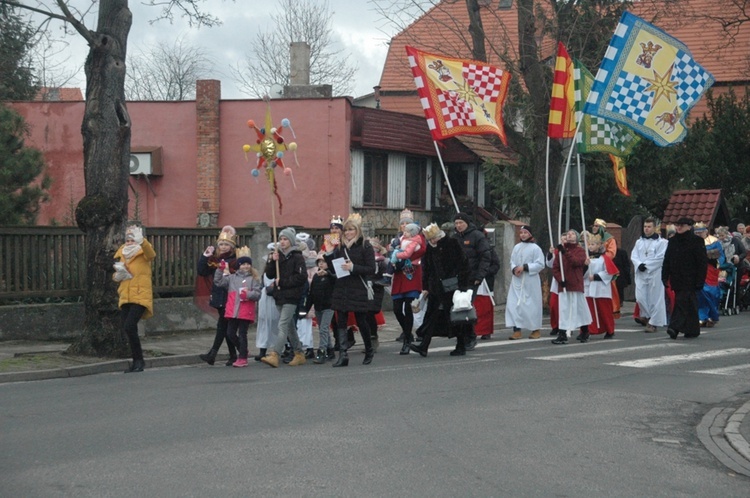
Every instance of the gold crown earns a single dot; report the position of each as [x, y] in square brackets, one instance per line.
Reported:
[700, 226]
[431, 231]
[244, 251]
[596, 239]
[229, 237]
[355, 218]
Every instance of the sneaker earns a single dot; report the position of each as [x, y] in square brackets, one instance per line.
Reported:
[309, 353]
[241, 362]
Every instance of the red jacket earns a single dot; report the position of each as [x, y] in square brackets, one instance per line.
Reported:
[574, 258]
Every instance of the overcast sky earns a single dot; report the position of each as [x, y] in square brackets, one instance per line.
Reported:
[355, 27]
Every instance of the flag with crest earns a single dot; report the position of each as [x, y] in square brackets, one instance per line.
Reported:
[598, 134]
[459, 96]
[648, 80]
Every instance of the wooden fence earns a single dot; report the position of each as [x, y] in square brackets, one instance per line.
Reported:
[50, 261]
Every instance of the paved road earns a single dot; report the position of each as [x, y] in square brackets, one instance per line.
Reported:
[525, 418]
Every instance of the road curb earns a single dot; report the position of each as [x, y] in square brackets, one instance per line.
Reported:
[730, 448]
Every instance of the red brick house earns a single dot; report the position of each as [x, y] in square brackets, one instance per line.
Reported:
[189, 169]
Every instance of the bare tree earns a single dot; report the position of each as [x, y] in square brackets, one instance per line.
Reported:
[106, 129]
[166, 72]
[267, 62]
[51, 70]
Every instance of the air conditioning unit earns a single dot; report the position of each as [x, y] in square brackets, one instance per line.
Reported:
[145, 161]
[140, 164]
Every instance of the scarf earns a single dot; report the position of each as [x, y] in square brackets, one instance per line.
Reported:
[129, 252]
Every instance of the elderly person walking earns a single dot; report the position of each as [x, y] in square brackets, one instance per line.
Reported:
[353, 292]
[444, 260]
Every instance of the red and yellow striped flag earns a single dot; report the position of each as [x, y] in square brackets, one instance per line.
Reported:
[620, 174]
[562, 113]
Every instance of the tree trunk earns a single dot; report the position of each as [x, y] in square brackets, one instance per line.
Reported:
[478, 50]
[538, 84]
[102, 213]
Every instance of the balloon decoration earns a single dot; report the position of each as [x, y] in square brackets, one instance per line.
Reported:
[270, 148]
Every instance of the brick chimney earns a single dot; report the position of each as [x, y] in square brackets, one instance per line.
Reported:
[207, 98]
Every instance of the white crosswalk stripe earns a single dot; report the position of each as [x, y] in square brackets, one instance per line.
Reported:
[724, 371]
[573, 356]
[680, 358]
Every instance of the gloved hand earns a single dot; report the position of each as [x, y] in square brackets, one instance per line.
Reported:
[561, 248]
[563, 284]
[137, 233]
[209, 251]
[642, 267]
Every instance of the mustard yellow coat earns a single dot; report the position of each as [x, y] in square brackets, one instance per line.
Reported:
[138, 290]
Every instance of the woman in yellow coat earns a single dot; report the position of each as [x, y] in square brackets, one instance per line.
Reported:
[133, 271]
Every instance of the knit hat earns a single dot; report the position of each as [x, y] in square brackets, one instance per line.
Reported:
[685, 221]
[229, 235]
[290, 233]
[243, 256]
[321, 256]
[527, 228]
[412, 229]
[406, 216]
[463, 217]
[307, 240]
[336, 221]
[432, 231]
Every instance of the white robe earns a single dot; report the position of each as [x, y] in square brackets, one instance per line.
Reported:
[649, 289]
[597, 288]
[268, 318]
[524, 307]
[574, 311]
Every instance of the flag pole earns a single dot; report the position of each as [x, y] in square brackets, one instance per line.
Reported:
[580, 199]
[549, 211]
[445, 175]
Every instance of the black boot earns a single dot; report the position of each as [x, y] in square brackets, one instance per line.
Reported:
[369, 354]
[343, 360]
[136, 366]
[460, 345]
[309, 353]
[330, 354]
[405, 346]
[584, 334]
[261, 354]
[349, 341]
[562, 337]
[209, 357]
[320, 357]
[232, 353]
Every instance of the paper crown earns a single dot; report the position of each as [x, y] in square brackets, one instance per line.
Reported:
[355, 218]
[596, 239]
[600, 223]
[336, 220]
[431, 231]
[228, 234]
[406, 216]
[700, 226]
[244, 251]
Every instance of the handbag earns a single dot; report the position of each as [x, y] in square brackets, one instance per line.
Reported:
[449, 284]
[464, 316]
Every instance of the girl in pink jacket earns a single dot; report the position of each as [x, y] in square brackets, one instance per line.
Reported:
[243, 292]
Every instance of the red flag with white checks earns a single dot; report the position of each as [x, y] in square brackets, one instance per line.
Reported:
[459, 96]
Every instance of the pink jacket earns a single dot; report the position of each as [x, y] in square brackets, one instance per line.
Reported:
[243, 293]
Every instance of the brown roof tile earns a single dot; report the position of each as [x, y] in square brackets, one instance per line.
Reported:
[707, 206]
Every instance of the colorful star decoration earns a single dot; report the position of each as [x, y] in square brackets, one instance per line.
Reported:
[269, 148]
[662, 86]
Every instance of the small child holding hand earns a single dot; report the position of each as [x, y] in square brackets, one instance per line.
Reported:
[244, 290]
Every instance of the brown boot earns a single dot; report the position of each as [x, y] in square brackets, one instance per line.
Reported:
[299, 359]
[516, 335]
[535, 334]
[271, 359]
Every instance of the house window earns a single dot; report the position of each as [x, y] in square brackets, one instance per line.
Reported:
[375, 184]
[459, 179]
[416, 182]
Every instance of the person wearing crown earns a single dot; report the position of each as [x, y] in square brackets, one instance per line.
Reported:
[608, 247]
[708, 298]
[597, 287]
[213, 258]
[353, 292]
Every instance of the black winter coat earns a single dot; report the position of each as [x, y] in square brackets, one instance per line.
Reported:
[685, 262]
[292, 277]
[350, 292]
[207, 266]
[321, 292]
[447, 259]
[477, 249]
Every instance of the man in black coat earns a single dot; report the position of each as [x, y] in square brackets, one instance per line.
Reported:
[477, 250]
[444, 259]
[684, 268]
